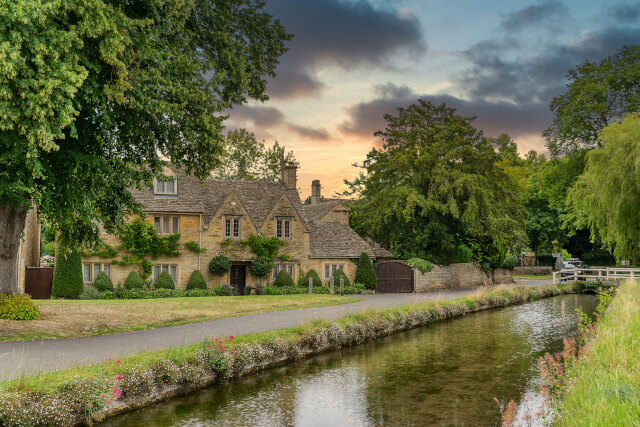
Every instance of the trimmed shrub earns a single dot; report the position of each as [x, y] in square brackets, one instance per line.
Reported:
[18, 307]
[196, 281]
[283, 279]
[260, 267]
[165, 281]
[219, 265]
[90, 292]
[133, 281]
[365, 273]
[103, 282]
[67, 277]
[317, 282]
[337, 275]
[222, 291]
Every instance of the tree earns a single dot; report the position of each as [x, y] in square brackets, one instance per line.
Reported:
[67, 276]
[434, 185]
[95, 93]
[608, 193]
[597, 95]
[365, 273]
[244, 157]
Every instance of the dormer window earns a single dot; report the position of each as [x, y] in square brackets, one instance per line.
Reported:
[166, 186]
[283, 228]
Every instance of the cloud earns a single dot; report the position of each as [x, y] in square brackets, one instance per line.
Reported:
[338, 33]
[309, 132]
[625, 13]
[259, 116]
[550, 14]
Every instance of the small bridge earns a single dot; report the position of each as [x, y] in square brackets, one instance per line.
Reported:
[594, 274]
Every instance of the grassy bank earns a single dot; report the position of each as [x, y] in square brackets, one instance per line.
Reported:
[114, 386]
[605, 384]
[75, 318]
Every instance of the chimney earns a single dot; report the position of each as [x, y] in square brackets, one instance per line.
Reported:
[289, 176]
[316, 191]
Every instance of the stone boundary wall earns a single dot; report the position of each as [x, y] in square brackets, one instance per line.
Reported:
[533, 270]
[461, 275]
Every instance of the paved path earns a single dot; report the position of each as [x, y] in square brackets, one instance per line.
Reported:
[28, 357]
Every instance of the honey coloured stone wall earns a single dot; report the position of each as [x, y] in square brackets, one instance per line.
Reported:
[461, 275]
[319, 266]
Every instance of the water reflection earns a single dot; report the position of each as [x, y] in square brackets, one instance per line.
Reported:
[445, 374]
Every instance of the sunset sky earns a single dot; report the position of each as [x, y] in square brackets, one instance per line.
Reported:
[350, 62]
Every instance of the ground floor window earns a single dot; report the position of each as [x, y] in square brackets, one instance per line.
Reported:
[172, 269]
[90, 270]
[330, 269]
[287, 267]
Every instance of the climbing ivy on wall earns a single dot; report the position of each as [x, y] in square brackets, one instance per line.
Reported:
[264, 247]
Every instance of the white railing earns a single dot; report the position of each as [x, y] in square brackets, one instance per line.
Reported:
[595, 273]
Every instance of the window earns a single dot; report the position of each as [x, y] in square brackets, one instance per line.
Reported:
[232, 227]
[283, 228]
[90, 271]
[287, 267]
[166, 224]
[172, 269]
[166, 187]
[330, 269]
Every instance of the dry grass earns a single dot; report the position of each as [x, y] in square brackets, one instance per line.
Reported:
[73, 318]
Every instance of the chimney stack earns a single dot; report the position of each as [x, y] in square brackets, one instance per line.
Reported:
[289, 176]
[316, 192]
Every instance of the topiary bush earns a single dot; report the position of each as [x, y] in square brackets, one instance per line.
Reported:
[337, 275]
[283, 279]
[196, 281]
[365, 273]
[219, 265]
[103, 282]
[18, 307]
[90, 292]
[133, 281]
[165, 281]
[260, 267]
[304, 281]
[67, 277]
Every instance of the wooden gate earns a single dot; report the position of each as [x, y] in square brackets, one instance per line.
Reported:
[394, 276]
[37, 282]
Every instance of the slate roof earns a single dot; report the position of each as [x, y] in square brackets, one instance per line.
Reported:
[378, 250]
[334, 240]
[317, 211]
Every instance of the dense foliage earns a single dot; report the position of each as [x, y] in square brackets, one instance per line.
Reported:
[133, 281]
[67, 276]
[264, 247]
[283, 279]
[103, 282]
[336, 277]
[436, 184]
[293, 290]
[260, 267]
[196, 281]
[95, 94]
[14, 307]
[165, 281]
[219, 265]
[365, 273]
[422, 265]
[303, 280]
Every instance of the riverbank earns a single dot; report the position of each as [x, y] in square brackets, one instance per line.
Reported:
[97, 391]
[605, 382]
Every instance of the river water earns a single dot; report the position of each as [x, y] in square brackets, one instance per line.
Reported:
[448, 373]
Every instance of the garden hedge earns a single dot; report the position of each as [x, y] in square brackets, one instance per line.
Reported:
[67, 277]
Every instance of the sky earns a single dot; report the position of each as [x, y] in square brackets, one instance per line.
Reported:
[351, 62]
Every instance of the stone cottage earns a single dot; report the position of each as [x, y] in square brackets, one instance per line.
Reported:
[219, 214]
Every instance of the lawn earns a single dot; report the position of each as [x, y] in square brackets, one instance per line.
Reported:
[74, 318]
[532, 276]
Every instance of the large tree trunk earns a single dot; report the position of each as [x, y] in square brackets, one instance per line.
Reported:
[12, 221]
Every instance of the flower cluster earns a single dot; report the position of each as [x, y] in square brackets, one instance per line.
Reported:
[47, 261]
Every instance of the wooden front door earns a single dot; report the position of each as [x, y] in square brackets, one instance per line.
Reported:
[394, 276]
[37, 282]
[238, 278]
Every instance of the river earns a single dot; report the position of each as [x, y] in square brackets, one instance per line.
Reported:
[448, 373]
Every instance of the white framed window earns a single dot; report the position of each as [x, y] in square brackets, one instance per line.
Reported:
[236, 227]
[288, 267]
[283, 228]
[232, 227]
[172, 269]
[166, 224]
[330, 269]
[90, 270]
[165, 187]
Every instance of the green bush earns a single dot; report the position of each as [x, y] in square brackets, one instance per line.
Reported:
[301, 279]
[322, 290]
[365, 273]
[284, 290]
[222, 291]
[133, 281]
[463, 253]
[198, 293]
[260, 267]
[49, 248]
[219, 265]
[422, 265]
[196, 281]
[283, 279]
[165, 281]
[103, 282]
[67, 277]
[304, 281]
[510, 262]
[90, 292]
[337, 275]
[18, 307]
[355, 289]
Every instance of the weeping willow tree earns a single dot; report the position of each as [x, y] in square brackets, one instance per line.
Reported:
[608, 193]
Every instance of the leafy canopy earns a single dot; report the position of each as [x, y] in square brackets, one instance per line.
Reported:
[94, 93]
[433, 185]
